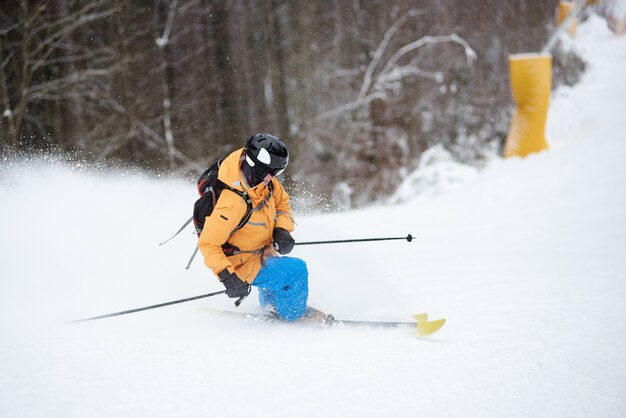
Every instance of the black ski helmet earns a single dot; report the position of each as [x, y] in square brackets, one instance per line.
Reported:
[266, 154]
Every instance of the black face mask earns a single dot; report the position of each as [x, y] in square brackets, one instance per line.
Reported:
[254, 175]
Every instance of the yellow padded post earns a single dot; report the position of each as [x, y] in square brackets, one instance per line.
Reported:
[564, 8]
[531, 78]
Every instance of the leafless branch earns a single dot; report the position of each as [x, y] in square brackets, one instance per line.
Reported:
[382, 47]
[375, 86]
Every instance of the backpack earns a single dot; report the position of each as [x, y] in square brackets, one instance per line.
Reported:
[210, 188]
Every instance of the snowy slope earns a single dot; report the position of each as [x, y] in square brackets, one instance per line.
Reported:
[526, 260]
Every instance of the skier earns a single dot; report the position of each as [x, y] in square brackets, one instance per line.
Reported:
[250, 255]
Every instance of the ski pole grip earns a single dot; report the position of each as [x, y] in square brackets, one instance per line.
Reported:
[238, 301]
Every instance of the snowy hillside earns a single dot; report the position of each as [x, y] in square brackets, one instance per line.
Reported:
[526, 259]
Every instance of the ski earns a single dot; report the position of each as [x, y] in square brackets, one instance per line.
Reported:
[420, 324]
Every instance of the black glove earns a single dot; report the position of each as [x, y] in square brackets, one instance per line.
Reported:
[235, 287]
[283, 241]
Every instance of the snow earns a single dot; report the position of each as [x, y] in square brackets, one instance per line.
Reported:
[524, 258]
[437, 172]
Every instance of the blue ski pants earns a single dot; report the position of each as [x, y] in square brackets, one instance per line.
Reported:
[283, 282]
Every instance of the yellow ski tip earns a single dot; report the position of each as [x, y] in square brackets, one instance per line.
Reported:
[425, 328]
[423, 317]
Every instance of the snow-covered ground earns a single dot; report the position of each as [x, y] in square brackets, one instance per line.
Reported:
[526, 260]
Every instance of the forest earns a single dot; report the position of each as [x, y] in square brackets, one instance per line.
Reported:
[358, 89]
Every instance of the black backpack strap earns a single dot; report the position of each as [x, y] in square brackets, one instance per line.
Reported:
[232, 250]
[246, 198]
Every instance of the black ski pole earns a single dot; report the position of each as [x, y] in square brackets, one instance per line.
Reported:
[409, 238]
[145, 308]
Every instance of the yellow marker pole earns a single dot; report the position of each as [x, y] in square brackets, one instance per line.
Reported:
[563, 9]
[531, 78]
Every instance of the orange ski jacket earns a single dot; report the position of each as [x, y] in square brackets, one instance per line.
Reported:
[256, 234]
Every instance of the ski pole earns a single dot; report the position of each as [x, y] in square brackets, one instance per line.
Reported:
[409, 238]
[145, 308]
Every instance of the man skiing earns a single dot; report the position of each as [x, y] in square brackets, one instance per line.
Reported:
[249, 255]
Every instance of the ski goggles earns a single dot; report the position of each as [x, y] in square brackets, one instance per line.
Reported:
[260, 171]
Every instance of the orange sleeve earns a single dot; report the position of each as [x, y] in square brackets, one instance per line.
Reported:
[284, 217]
[229, 210]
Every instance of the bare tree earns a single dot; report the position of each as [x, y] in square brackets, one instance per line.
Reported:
[378, 82]
[162, 42]
[374, 147]
[33, 45]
